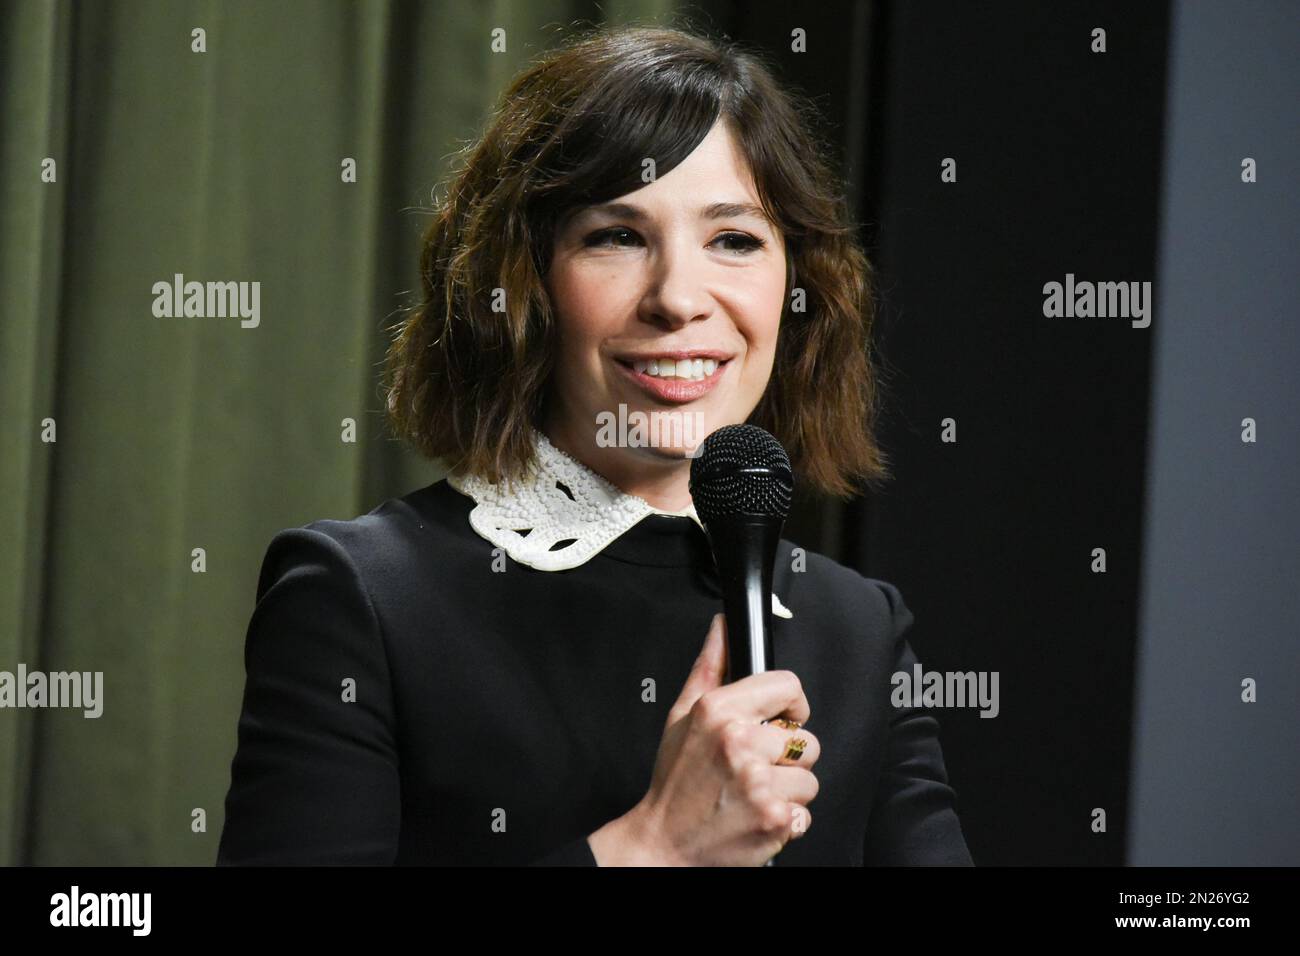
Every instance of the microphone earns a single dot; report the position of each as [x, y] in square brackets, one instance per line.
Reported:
[741, 484]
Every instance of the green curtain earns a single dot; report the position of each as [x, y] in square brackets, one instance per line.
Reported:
[172, 434]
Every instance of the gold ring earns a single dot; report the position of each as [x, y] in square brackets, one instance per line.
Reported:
[786, 722]
[794, 748]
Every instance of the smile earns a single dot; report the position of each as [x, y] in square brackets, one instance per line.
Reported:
[693, 370]
[675, 379]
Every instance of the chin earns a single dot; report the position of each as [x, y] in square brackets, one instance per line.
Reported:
[662, 453]
[653, 432]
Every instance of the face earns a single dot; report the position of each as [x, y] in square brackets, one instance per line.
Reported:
[668, 302]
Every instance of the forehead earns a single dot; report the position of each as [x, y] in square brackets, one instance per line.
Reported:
[718, 155]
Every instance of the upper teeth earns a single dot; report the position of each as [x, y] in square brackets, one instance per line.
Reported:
[681, 368]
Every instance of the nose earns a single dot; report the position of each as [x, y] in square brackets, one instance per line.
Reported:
[677, 293]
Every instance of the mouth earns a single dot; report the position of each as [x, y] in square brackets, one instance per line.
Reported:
[675, 377]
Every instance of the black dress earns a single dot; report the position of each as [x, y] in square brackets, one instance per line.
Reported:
[410, 702]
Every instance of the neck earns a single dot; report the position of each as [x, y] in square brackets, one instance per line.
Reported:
[654, 475]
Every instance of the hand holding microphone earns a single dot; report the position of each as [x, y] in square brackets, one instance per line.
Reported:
[724, 792]
[730, 784]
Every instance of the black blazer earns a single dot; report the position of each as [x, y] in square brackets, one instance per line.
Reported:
[415, 697]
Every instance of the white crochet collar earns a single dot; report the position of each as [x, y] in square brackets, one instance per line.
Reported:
[596, 514]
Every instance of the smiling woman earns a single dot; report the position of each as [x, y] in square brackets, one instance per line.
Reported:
[641, 195]
[518, 646]
[689, 283]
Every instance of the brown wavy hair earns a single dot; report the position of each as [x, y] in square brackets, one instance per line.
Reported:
[466, 384]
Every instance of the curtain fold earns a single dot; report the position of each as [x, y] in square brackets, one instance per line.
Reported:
[191, 439]
[35, 42]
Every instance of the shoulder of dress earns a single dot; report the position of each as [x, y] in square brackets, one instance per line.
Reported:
[809, 578]
[391, 534]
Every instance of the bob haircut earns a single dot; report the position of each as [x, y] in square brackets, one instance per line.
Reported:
[466, 382]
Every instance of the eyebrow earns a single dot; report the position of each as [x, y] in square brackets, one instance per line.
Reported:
[717, 210]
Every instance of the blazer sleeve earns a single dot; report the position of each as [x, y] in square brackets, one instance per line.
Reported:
[913, 818]
[314, 778]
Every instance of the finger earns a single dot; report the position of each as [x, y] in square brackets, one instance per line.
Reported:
[795, 784]
[774, 743]
[708, 671]
[762, 696]
[801, 820]
[793, 819]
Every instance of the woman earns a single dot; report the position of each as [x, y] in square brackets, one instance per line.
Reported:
[506, 667]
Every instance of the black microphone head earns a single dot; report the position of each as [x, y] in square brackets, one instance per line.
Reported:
[741, 469]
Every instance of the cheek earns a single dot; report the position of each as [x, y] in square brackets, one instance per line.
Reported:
[762, 305]
[583, 304]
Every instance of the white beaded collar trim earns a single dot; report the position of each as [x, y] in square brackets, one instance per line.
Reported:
[596, 513]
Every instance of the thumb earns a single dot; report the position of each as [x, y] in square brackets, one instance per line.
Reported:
[710, 667]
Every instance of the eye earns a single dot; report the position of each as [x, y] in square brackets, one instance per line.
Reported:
[744, 242]
[620, 236]
[605, 237]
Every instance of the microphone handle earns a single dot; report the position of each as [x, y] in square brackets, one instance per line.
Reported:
[749, 543]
